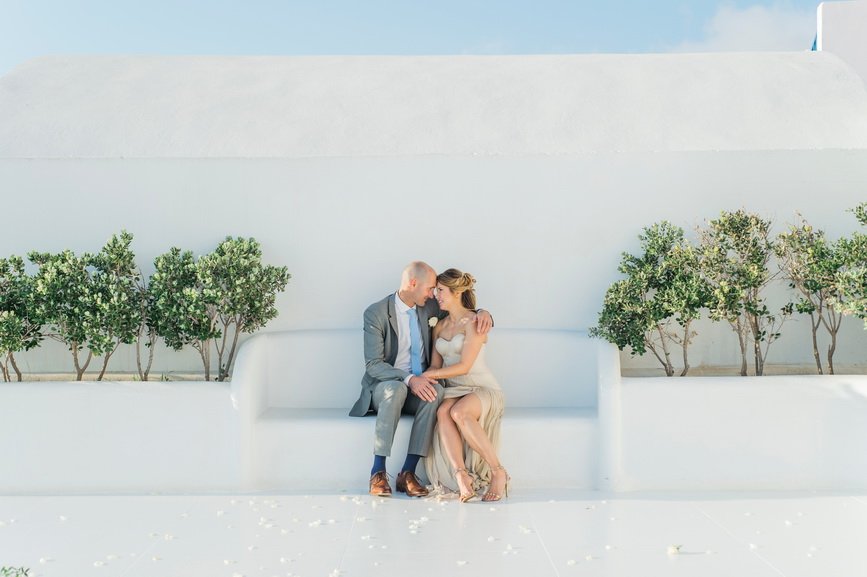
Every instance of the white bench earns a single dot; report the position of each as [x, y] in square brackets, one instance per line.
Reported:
[294, 389]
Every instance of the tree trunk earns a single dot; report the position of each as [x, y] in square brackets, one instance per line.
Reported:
[231, 359]
[204, 348]
[831, 348]
[5, 368]
[685, 345]
[79, 370]
[220, 345]
[815, 326]
[742, 341]
[669, 368]
[105, 361]
[15, 366]
[152, 340]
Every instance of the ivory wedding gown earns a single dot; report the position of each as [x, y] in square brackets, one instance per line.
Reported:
[480, 381]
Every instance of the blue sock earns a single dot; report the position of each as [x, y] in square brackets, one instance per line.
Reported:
[410, 463]
[378, 465]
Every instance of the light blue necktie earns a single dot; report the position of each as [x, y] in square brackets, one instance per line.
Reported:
[414, 343]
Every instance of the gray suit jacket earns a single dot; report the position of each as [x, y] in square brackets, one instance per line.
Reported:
[380, 347]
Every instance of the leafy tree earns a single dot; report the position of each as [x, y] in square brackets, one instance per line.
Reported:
[20, 325]
[735, 252]
[116, 300]
[810, 264]
[216, 298]
[180, 313]
[850, 282]
[65, 300]
[241, 293]
[661, 286]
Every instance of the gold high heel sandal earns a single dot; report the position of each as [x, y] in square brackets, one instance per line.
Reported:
[491, 495]
[465, 496]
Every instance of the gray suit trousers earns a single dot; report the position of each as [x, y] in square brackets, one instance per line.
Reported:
[390, 400]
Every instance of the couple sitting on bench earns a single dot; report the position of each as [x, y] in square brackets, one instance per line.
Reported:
[456, 401]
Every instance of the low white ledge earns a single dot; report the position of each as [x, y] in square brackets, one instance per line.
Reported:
[735, 433]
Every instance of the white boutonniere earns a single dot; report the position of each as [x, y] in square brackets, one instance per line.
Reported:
[432, 322]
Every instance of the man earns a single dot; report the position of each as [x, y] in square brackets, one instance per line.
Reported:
[397, 349]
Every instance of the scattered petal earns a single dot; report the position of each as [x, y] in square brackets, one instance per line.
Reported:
[571, 562]
[461, 563]
[673, 549]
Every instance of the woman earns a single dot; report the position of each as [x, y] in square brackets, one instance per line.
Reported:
[468, 420]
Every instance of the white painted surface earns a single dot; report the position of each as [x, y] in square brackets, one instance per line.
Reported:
[721, 433]
[841, 32]
[341, 106]
[542, 533]
[67, 438]
[322, 369]
[541, 448]
[542, 234]
[293, 391]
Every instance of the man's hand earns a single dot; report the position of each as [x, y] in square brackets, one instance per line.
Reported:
[423, 388]
[484, 322]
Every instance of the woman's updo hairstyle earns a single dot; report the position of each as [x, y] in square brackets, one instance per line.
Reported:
[460, 283]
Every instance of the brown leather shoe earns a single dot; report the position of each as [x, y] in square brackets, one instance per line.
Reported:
[408, 483]
[379, 486]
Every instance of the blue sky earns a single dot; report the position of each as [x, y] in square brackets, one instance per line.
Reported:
[30, 28]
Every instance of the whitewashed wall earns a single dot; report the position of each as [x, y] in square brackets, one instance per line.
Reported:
[542, 234]
[841, 31]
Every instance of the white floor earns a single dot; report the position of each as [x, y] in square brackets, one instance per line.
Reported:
[533, 534]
